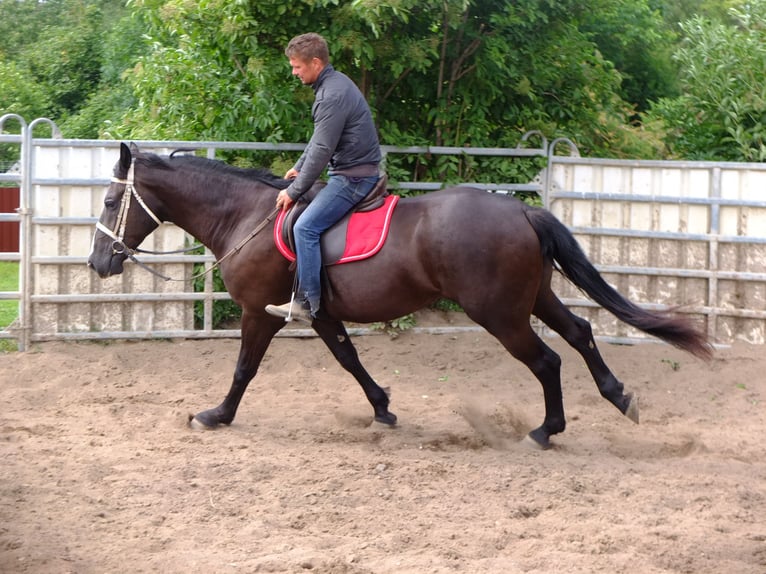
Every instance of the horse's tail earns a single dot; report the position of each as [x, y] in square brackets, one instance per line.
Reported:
[558, 243]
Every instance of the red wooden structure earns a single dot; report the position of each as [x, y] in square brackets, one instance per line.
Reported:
[9, 230]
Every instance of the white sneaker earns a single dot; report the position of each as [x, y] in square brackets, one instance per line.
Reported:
[291, 311]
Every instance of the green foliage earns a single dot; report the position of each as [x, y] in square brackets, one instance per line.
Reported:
[96, 118]
[635, 39]
[20, 93]
[101, 111]
[721, 113]
[675, 11]
[224, 311]
[8, 346]
[440, 72]
[65, 58]
[396, 327]
[446, 305]
[22, 24]
[54, 62]
[212, 72]
[436, 72]
[9, 281]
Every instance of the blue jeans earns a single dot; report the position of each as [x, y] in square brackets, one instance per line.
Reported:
[329, 206]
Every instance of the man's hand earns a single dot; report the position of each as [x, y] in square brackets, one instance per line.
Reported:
[292, 173]
[283, 200]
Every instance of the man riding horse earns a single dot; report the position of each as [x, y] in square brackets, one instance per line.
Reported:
[345, 138]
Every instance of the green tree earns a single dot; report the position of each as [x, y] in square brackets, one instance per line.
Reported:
[101, 111]
[20, 93]
[449, 72]
[636, 40]
[23, 23]
[53, 60]
[721, 113]
[677, 11]
[480, 73]
[212, 71]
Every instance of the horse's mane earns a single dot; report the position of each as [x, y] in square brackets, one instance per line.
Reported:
[213, 165]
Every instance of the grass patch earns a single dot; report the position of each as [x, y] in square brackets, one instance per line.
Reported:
[9, 281]
[446, 305]
[8, 346]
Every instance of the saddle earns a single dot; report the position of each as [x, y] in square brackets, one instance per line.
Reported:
[358, 235]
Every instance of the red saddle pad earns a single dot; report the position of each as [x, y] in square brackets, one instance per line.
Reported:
[365, 234]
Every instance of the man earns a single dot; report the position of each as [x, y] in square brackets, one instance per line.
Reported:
[345, 139]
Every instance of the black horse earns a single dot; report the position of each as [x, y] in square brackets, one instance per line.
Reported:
[492, 254]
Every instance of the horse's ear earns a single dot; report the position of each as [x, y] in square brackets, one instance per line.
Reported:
[125, 157]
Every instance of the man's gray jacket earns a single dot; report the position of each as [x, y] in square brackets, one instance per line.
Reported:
[344, 134]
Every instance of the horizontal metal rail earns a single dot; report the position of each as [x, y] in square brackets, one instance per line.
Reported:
[677, 235]
[122, 297]
[664, 164]
[663, 199]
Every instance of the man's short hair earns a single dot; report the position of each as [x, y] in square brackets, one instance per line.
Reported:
[307, 47]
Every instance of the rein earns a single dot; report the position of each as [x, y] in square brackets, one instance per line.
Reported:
[117, 235]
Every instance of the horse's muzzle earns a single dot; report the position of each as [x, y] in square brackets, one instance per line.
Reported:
[104, 269]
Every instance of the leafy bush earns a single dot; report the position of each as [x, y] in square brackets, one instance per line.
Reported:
[721, 113]
[224, 311]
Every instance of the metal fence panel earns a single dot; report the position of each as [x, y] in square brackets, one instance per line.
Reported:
[664, 233]
[690, 234]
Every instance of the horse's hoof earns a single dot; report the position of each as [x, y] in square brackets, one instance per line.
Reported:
[196, 424]
[529, 442]
[536, 440]
[386, 419]
[632, 411]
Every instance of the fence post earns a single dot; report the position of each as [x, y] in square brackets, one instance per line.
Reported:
[26, 211]
[24, 265]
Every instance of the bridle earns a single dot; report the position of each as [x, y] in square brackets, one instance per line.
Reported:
[118, 233]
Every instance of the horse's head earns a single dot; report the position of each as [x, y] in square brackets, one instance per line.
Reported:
[126, 220]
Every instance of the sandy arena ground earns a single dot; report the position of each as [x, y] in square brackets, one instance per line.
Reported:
[101, 474]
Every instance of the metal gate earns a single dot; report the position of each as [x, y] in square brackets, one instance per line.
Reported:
[702, 245]
[670, 233]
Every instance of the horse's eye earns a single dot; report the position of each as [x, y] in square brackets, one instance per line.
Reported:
[110, 203]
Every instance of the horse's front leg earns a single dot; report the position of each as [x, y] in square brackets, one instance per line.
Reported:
[257, 333]
[335, 336]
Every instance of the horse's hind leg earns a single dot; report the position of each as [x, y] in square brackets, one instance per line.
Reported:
[335, 336]
[522, 342]
[577, 332]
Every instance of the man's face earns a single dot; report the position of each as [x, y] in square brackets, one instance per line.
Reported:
[307, 70]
